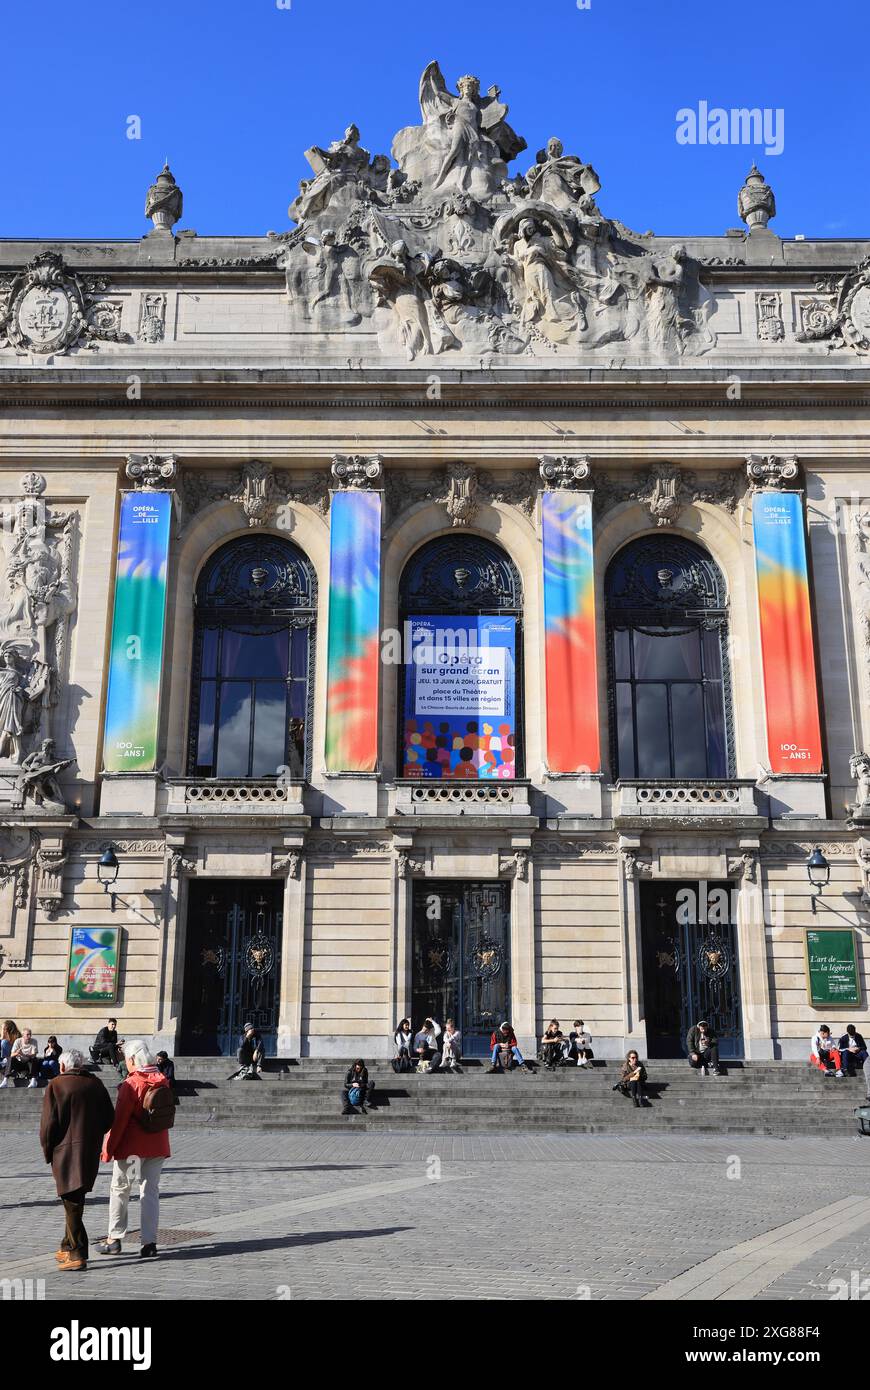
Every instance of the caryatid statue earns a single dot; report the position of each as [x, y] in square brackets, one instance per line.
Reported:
[560, 180]
[464, 143]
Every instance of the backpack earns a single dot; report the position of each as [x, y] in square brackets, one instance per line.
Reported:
[353, 1095]
[158, 1110]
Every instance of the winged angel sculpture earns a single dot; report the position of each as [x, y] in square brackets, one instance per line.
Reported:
[464, 143]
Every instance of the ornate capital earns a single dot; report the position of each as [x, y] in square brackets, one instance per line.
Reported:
[357, 470]
[565, 470]
[152, 472]
[771, 471]
[744, 865]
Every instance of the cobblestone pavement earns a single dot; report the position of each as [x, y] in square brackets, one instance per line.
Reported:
[302, 1216]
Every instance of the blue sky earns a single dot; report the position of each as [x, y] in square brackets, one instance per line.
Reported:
[234, 91]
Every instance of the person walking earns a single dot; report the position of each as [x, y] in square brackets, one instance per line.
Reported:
[138, 1146]
[76, 1113]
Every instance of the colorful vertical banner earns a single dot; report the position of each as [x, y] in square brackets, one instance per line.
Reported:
[794, 741]
[460, 698]
[354, 624]
[136, 656]
[569, 622]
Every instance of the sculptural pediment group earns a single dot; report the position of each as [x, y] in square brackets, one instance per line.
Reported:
[448, 253]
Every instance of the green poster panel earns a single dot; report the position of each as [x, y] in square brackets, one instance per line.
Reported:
[832, 968]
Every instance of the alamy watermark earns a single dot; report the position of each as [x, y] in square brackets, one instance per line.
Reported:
[737, 125]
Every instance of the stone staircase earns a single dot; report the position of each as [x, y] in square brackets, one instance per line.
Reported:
[771, 1098]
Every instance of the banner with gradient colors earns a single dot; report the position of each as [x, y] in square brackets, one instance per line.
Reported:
[569, 623]
[794, 741]
[136, 655]
[354, 625]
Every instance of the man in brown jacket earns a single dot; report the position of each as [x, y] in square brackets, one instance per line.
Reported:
[76, 1114]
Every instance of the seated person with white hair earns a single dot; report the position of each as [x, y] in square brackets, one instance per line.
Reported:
[138, 1142]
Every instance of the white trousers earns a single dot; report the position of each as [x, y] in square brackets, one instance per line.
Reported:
[125, 1172]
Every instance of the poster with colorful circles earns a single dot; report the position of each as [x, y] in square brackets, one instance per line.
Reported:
[460, 699]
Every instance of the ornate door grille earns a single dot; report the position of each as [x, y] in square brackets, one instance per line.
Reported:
[233, 964]
[461, 954]
[690, 967]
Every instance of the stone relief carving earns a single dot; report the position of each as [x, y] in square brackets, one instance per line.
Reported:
[182, 863]
[515, 865]
[152, 317]
[464, 142]
[771, 471]
[860, 545]
[768, 317]
[460, 489]
[862, 856]
[47, 308]
[37, 599]
[51, 863]
[407, 865]
[152, 472]
[634, 866]
[666, 490]
[859, 770]
[845, 321]
[447, 254]
[37, 779]
[287, 862]
[257, 488]
[744, 866]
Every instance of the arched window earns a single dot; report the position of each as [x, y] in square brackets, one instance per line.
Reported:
[667, 653]
[250, 700]
[461, 709]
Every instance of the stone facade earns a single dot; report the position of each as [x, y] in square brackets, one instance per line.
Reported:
[459, 337]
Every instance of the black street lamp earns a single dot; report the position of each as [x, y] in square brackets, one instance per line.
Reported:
[107, 872]
[818, 873]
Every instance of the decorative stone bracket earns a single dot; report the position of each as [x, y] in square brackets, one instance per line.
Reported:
[288, 862]
[515, 865]
[409, 865]
[50, 861]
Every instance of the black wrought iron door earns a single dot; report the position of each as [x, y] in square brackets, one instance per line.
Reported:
[461, 957]
[691, 969]
[233, 964]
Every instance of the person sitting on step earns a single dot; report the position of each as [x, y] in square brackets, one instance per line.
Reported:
[703, 1048]
[403, 1038]
[357, 1089]
[49, 1067]
[106, 1045]
[426, 1047]
[579, 1044]
[250, 1053]
[823, 1054]
[451, 1043]
[552, 1045]
[632, 1082]
[852, 1049]
[505, 1051]
[25, 1059]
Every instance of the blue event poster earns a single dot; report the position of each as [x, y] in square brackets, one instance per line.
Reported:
[460, 698]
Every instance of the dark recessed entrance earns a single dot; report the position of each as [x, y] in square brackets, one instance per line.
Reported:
[690, 965]
[461, 948]
[232, 964]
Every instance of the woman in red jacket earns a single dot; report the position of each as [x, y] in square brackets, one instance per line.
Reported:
[138, 1153]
